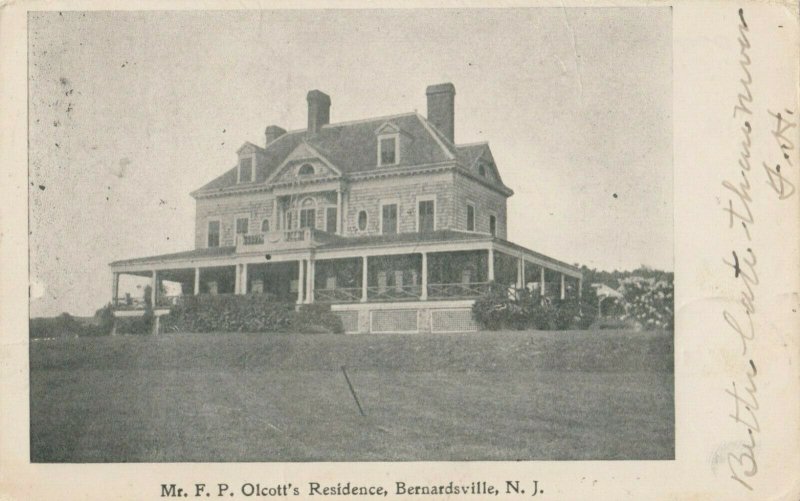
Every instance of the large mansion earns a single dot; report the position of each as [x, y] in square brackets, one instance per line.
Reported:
[387, 219]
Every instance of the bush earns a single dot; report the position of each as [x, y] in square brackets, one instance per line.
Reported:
[63, 325]
[649, 304]
[248, 313]
[142, 325]
[316, 318]
[499, 310]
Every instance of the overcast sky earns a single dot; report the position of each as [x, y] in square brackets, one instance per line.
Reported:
[129, 112]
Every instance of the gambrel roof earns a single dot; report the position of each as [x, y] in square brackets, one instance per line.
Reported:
[351, 149]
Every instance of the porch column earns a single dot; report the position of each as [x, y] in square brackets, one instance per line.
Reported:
[563, 287]
[274, 225]
[522, 273]
[154, 289]
[364, 281]
[300, 278]
[339, 211]
[580, 288]
[491, 265]
[542, 280]
[196, 281]
[114, 287]
[243, 285]
[424, 294]
[310, 281]
[237, 279]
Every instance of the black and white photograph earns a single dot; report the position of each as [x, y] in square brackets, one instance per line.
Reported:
[360, 235]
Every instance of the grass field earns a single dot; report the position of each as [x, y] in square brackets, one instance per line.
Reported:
[264, 397]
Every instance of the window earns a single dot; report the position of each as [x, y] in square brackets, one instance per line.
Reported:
[213, 233]
[308, 218]
[470, 217]
[242, 225]
[245, 170]
[306, 170]
[362, 220]
[427, 215]
[493, 225]
[482, 170]
[389, 219]
[331, 214]
[265, 226]
[388, 151]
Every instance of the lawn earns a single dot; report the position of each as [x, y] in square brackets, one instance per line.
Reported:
[274, 397]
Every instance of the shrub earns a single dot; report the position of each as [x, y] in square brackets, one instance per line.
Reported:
[316, 318]
[500, 310]
[496, 310]
[248, 313]
[135, 325]
[63, 325]
[649, 303]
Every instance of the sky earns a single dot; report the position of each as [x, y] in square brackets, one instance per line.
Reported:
[131, 111]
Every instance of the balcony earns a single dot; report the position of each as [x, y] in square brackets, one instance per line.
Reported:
[282, 239]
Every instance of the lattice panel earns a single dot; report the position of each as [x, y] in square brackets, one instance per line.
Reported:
[394, 321]
[452, 321]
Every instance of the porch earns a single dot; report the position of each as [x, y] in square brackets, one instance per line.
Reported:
[343, 277]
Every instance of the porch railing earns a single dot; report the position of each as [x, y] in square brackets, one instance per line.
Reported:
[275, 237]
[283, 238]
[458, 290]
[128, 303]
[338, 295]
[168, 301]
[394, 293]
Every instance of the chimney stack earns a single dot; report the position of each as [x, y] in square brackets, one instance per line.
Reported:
[441, 108]
[319, 110]
[273, 132]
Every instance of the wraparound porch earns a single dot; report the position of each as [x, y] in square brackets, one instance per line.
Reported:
[346, 276]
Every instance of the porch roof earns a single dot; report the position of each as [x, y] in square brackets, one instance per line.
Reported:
[180, 256]
[405, 238]
[434, 237]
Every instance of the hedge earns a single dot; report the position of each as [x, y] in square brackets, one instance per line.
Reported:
[496, 311]
[248, 313]
[65, 325]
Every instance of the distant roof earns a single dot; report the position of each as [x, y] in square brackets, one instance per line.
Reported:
[350, 146]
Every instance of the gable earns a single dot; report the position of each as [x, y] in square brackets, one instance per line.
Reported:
[303, 170]
[247, 148]
[387, 128]
[485, 166]
[304, 163]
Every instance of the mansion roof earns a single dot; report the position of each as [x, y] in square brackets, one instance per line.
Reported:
[350, 147]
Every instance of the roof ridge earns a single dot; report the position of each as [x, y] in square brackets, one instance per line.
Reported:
[476, 143]
[438, 132]
[365, 120]
[444, 144]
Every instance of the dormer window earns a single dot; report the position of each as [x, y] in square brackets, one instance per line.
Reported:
[482, 170]
[246, 170]
[387, 150]
[306, 170]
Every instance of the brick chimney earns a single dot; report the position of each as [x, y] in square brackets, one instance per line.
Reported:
[319, 110]
[441, 108]
[273, 132]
